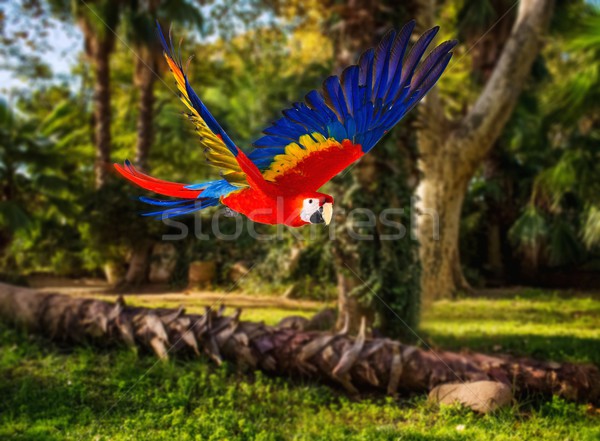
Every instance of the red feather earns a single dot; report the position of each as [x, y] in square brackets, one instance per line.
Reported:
[159, 186]
[318, 168]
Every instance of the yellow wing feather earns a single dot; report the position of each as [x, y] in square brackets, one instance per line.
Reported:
[216, 152]
[295, 154]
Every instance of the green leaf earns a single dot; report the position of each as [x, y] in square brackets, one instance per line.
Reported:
[13, 216]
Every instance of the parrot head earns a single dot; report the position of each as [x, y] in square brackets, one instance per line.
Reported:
[317, 208]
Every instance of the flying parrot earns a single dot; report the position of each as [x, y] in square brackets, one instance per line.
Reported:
[278, 181]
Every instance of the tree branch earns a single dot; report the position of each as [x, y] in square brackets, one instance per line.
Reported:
[480, 128]
[433, 123]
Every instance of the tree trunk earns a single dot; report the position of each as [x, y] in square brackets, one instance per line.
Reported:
[98, 49]
[144, 78]
[494, 251]
[440, 197]
[102, 112]
[350, 309]
[139, 264]
[358, 364]
[349, 40]
[452, 152]
[496, 213]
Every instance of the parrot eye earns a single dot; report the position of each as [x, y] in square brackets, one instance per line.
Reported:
[315, 211]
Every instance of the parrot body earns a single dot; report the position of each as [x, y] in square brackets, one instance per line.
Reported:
[278, 182]
[280, 206]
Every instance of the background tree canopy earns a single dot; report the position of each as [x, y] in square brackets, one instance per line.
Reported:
[531, 211]
[465, 246]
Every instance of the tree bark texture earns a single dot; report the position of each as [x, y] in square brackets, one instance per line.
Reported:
[146, 66]
[102, 115]
[145, 74]
[98, 49]
[360, 364]
[139, 264]
[453, 150]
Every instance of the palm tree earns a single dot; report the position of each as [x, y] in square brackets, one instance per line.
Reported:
[359, 365]
[140, 20]
[98, 21]
[140, 25]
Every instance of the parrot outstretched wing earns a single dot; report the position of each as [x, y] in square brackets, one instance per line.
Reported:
[318, 138]
[314, 140]
[220, 151]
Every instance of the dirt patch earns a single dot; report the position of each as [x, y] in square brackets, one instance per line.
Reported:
[165, 295]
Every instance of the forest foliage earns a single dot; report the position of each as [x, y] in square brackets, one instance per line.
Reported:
[533, 206]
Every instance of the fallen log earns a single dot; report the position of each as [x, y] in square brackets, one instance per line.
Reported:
[359, 364]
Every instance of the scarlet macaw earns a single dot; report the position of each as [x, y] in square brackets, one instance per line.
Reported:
[277, 182]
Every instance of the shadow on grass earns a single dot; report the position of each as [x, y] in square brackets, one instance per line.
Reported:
[531, 293]
[550, 348]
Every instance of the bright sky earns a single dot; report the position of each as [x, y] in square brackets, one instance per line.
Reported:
[65, 45]
[64, 42]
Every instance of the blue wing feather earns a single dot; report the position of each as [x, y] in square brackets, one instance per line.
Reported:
[210, 196]
[365, 65]
[382, 61]
[430, 64]
[350, 88]
[396, 57]
[164, 203]
[285, 128]
[316, 120]
[334, 97]
[187, 208]
[414, 56]
[271, 141]
[368, 99]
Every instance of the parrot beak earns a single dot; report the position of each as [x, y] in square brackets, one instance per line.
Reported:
[327, 212]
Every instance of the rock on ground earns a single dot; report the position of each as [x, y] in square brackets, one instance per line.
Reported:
[481, 396]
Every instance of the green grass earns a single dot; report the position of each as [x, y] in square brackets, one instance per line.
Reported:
[51, 392]
[540, 324]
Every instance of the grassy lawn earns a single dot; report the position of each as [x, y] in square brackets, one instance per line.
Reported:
[540, 324]
[51, 392]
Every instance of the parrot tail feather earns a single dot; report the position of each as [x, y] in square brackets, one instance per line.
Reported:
[159, 186]
[185, 206]
[191, 198]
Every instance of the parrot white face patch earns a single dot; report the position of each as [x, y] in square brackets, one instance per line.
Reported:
[310, 211]
[314, 213]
